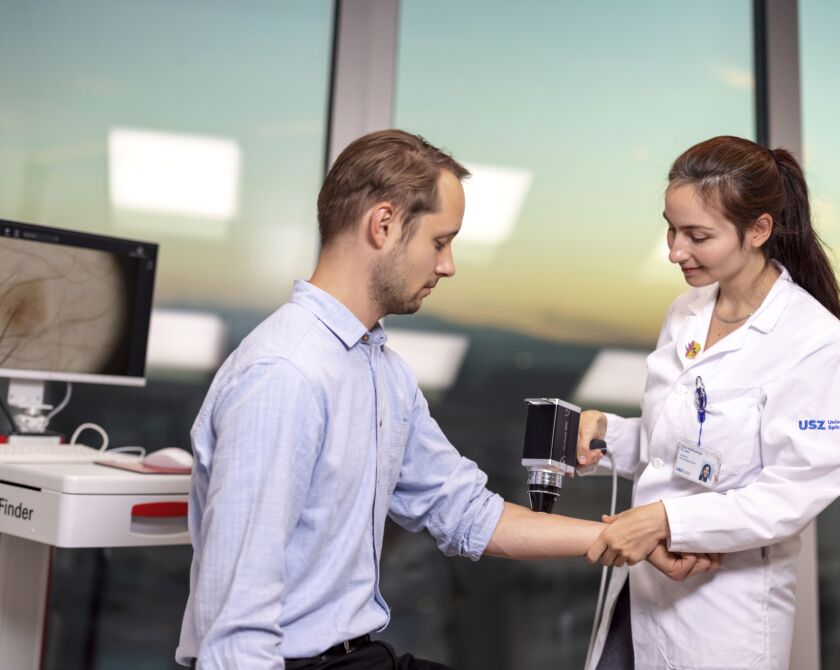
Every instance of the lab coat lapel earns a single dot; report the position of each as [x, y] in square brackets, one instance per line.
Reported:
[732, 342]
[763, 320]
[695, 327]
[686, 341]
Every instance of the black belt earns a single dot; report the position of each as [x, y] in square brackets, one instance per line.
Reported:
[347, 647]
[340, 649]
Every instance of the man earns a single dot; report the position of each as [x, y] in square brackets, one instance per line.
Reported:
[313, 432]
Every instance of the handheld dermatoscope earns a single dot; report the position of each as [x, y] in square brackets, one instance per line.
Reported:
[549, 455]
[550, 452]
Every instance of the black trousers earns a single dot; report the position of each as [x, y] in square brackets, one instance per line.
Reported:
[377, 656]
[618, 648]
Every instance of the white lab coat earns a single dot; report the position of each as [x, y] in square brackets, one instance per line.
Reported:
[780, 368]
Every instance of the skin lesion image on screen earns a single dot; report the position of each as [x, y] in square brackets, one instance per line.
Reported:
[64, 309]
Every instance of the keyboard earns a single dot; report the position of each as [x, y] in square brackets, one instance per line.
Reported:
[49, 453]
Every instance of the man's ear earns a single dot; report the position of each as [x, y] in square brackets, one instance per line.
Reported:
[759, 232]
[382, 223]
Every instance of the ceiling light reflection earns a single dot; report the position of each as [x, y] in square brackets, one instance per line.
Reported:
[435, 358]
[494, 196]
[171, 173]
[185, 340]
[615, 378]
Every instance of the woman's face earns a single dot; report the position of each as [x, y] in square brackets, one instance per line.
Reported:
[706, 471]
[702, 241]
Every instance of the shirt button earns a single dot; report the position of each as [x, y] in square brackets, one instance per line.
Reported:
[657, 462]
[365, 337]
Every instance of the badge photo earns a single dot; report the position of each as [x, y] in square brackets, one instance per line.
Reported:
[697, 464]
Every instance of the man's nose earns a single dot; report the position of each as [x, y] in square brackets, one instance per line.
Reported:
[446, 265]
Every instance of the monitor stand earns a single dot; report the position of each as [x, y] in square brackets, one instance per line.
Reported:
[27, 396]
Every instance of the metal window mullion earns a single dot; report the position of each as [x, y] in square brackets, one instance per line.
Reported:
[362, 86]
[777, 87]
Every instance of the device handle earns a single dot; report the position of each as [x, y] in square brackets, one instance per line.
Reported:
[598, 444]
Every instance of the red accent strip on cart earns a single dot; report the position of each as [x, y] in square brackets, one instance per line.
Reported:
[160, 509]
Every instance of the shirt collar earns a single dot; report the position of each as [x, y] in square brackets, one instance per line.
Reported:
[334, 315]
[771, 308]
[774, 304]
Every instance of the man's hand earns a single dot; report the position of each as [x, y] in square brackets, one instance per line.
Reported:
[681, 566]
[593, 424]
[631, 535]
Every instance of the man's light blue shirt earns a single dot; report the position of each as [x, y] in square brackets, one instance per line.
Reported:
[312, 432]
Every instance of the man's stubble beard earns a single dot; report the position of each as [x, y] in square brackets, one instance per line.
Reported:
[389, 286]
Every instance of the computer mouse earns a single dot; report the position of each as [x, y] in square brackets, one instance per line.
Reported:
[170, 457]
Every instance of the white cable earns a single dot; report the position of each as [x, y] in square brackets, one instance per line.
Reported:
[91, 426]
[599, 604]
[63, 403]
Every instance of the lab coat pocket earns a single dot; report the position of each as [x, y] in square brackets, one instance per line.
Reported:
[716, 621]
[731, 428]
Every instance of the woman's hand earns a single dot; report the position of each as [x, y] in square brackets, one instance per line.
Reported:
[681, 566]
[593, 424]
[631, 535]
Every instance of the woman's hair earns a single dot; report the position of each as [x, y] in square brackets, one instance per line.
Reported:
[744, 180]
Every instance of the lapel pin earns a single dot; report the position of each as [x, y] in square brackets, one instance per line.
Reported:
[692, 349]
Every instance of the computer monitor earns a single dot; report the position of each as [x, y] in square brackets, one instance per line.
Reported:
[74, 307]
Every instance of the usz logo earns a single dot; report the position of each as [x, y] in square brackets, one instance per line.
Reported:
[812, 425]
[819, 424]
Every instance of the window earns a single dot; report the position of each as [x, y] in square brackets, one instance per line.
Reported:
[569, 116]
[820, 109]
[197, 125]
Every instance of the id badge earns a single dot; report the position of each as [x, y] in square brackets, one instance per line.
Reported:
[697, 464]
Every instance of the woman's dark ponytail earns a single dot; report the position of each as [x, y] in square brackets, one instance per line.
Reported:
[744, 180]
[795, 243]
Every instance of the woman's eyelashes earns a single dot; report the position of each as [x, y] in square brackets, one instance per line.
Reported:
[695, 239]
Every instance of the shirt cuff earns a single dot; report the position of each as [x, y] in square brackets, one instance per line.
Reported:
[483, 527]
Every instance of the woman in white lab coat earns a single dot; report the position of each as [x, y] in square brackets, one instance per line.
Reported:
[750, 357]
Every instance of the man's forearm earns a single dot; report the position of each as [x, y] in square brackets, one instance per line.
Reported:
[524, 534]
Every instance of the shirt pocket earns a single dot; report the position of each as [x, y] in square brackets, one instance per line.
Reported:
[731, 429]
[399, 432]
[396, 442]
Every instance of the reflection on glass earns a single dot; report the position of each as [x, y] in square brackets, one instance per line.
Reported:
[138, 119]
[615, 378]
[186, 341]
[820, 111]
[494, 197]
[241, 84]
[435, 358]
[592, 101]
[172, 173]
[595, 101]
[819, 51]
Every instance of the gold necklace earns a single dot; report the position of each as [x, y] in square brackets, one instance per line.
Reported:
[742, 318]
[731, 321]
